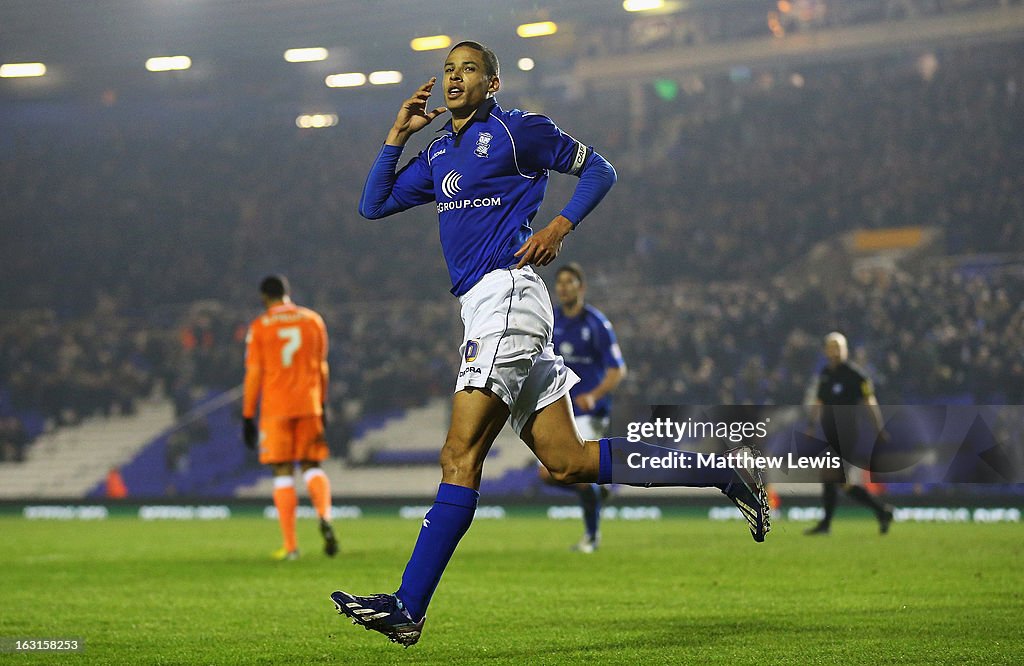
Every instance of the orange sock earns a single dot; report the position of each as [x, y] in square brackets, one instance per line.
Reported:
[319, 488]
[286, 500]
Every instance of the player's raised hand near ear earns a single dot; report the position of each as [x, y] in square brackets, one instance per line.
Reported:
[413, 116]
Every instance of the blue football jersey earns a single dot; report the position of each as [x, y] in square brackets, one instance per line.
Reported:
[588, 345]
[488, 182]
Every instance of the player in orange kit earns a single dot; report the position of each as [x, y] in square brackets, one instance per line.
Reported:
[286, 373]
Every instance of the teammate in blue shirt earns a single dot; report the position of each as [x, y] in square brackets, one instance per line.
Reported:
[486, 172]
[585, 340]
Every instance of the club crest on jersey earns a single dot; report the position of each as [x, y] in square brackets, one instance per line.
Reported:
[472, 349]
[483, 143]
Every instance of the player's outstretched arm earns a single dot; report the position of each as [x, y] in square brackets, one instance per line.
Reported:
[413, 116]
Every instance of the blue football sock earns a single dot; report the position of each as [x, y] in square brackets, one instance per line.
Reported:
[630, 463]
[590, 501]
[443, 527]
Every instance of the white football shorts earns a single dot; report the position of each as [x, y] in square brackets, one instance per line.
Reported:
[507, 346]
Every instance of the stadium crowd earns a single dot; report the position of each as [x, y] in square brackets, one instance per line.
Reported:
[931, 337]
[780, 166]
[135, 252]
[66, 370]
[738, 21]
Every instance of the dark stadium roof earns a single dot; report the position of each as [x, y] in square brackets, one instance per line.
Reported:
[95, 50]
[95, 44]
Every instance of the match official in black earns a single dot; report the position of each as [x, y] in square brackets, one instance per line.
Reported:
[841, 383]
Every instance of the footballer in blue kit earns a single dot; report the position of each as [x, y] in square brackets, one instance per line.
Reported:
[586, 341]
[488, 182]
[486, 173]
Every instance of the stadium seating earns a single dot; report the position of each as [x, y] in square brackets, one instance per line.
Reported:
[67, 462]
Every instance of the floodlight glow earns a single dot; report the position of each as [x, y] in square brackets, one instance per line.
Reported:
[312, 54]
[430, 43]
[316, 120]
[642, 5]
[348, 80]
[386, 77]
[537, 29]
[526, 64]
[14, 70]
[168, 63]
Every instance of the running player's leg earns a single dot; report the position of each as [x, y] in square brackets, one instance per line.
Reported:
[478, 415]
[551, 434]
[502, 336]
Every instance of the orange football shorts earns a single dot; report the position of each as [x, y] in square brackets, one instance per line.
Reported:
[284, 440]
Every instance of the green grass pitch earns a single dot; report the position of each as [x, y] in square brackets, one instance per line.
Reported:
[679, 590]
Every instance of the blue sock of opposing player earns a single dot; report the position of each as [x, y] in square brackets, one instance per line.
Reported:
[443, 527]
[630, 463]
[590, 501]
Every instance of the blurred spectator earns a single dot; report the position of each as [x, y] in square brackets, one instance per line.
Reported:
[115, 486]
[13, 440]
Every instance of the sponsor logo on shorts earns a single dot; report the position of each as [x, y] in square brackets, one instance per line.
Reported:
[472, 349]
[471, 370]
